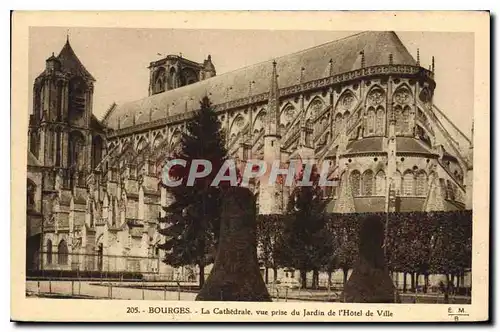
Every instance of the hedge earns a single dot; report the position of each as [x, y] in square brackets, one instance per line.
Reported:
[417, 242]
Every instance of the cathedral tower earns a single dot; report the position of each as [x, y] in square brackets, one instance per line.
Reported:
[62, 128]
[174, 71]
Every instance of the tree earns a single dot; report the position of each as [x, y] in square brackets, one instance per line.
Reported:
[451, 245]
[269, 231]
[300, 246]
[346, 239]
[194, 216]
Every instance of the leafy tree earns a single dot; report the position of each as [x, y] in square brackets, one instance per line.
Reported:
[451, 245]
[269, 231]
[194, 216]
[300, 246]
[346, 239]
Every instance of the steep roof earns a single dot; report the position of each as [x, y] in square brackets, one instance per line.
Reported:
[369, 144]
[71, 63]
[408, 144]
[376, 45]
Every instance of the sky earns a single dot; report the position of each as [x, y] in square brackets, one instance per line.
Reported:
[118, 58]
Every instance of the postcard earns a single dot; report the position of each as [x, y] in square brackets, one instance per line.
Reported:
[250, 166]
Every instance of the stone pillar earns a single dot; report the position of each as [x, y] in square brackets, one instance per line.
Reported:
[331, 94]
[41, 146]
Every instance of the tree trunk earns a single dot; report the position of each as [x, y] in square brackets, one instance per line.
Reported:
[329, 279]
[404, 282]
[416, 281]
[275, 272]
[315, 281]
[447, 289]
[412, 275]
[303, 279]
[426, 282]
[266, 275]
[236, 274]
[344, 281]
[202, 275]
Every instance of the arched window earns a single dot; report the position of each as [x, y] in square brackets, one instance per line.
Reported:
[91, 211]
[370, 121]
[355, 183]
[30, 194]
[49, 252]
[338, 123]
[408, 181]
[159, 81]
[380, 183]
[75, 146]
[172, 79]
[114, 213]
[34, 143]
[397, 183]
[62, 253]
[367, 183]
[406, 121]
[77, 100]
[97, 150]
[100, 252]
[59, 101]
[58, 159]
[380, 121]
[399, 119]
[347, 119]
[421, 184]
[450, 189]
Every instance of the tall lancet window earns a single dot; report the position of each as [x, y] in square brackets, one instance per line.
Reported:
[399, 119]
[62, 253]
[408, 182]
[380, 183]
[370, 121]
[77, 100]
[367, 183]
[76, 149]
[380, 121]
[59, 101]
[355, 183]
[159, 80]
[397, 182]
[406, 121]
[421, 184]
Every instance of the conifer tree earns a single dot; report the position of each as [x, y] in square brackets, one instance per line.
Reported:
[193, 219]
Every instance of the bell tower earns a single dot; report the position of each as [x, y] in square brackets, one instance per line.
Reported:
[60, 133]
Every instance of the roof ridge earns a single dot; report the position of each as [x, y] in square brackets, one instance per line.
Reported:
[343, 50]
[67, 47]
[259, 63]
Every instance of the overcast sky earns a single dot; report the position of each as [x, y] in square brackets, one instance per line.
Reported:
[118, 58]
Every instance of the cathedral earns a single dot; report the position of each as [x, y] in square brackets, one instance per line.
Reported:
[362, 103]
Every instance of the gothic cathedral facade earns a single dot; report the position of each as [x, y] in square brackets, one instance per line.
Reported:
[362, 103]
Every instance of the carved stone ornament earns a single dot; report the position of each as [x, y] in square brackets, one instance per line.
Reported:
[402, 96]
[289, 113]
[76, 242]
[375, 97]
[347, 101]
[239, 121]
